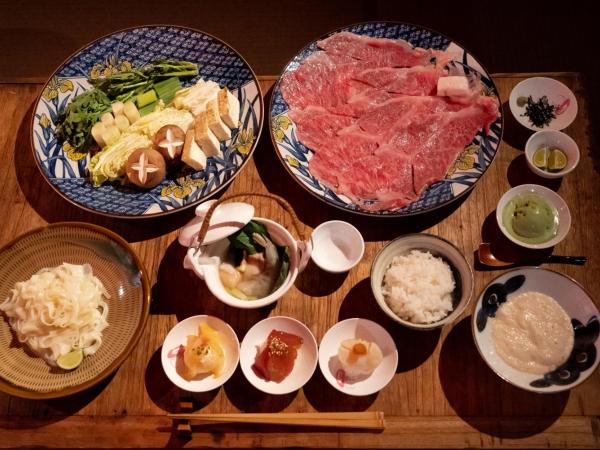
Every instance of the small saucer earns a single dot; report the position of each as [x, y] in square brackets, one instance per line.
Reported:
[304, 366]
[362, 329]
[173, 347]
[337, 246]
[558, 95]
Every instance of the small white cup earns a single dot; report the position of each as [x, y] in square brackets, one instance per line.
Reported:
[552, 138]
[337, 246]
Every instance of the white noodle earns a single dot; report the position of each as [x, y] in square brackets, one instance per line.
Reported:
[58, 310]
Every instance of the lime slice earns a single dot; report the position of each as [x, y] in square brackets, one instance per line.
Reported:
[71, 360]
[557, 160]
[540, 158]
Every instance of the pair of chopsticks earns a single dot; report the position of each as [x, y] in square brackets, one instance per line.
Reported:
[372, 420]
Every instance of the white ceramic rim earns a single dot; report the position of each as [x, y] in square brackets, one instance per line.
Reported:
[249, 373]
[494, 369]
[564, 223]
[325, 370]
[348, 226]
[571, 164]
[450, 317]
[186, 385]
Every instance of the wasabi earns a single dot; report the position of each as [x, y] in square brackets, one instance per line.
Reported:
[530, 219]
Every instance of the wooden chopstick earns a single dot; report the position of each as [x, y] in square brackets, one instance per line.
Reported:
[367, 420]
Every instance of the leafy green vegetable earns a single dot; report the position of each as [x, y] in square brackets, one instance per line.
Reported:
[76, 121]
[242, 239]
[125, 86]
[284, 257]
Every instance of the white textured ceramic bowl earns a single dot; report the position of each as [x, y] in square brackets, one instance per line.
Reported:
[173, 348]
[205, 263]
[557, 93]
[461, 270]
[337, 246]
[552, 139]
[305, 363]
[576, 302]
[357, 329]
[555, 200]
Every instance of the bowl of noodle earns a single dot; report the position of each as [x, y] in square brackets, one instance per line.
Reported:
[67, 287]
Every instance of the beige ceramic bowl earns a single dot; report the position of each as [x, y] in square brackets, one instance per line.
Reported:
[463, 274]
[122, 274]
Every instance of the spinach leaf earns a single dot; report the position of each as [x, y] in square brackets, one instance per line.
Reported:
[284, 257]
[243, 239]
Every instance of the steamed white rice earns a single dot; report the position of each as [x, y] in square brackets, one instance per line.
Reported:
[418, 287]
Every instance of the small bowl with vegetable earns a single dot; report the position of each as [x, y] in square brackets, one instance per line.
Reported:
[533, 216]
[540, 103]
[246, 261]
[551, 153]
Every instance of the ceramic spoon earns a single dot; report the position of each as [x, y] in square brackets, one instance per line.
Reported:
[486, 257]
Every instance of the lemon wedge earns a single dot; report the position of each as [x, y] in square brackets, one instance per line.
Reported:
[71, 360]
[557, 160]
[540, 158]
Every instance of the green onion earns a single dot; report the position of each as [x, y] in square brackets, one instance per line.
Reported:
[147, 109]
[166, 89]
[146, 98]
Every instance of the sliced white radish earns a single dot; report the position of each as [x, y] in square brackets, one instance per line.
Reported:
[97, 132]
[131, 112]
[111, 134]
[117, 108]
[121, 122]
[107, 119]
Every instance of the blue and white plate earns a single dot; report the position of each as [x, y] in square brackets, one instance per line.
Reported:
[462, 176]
[575, 301]
[64, 168]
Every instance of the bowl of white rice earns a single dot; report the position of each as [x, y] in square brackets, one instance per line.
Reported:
[421, 281]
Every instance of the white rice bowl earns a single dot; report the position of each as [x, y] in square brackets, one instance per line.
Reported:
[418, 287]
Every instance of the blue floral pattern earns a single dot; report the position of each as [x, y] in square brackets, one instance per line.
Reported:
[454, 185]
[64, 167]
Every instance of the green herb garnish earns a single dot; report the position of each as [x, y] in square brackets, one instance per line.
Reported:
[78, 118]
[540, 113]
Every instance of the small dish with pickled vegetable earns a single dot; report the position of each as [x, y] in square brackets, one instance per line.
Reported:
[541, 103]
[551, 153]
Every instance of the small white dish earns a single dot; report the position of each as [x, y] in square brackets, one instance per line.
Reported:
[173, 348]
[576, 302]
[305, 363]
[555, 200]
[557, 94]
[360, 329]
[552, 139]
[337, 246]
[461, 270]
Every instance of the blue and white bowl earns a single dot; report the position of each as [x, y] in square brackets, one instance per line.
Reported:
[462, 176]
[576, 302]
[64, 168]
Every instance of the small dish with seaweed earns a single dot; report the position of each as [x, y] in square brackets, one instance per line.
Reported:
[541, 103]
[579, 360]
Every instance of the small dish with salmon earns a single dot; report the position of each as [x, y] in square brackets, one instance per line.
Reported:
[278, 355]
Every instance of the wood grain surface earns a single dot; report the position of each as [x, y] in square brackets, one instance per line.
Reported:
[443, 394]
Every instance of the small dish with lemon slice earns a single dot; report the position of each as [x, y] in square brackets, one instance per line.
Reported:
[551, 153]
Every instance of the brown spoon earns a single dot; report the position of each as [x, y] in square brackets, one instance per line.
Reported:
[486, 257]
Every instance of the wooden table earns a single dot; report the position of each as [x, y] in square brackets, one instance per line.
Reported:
[443, 394]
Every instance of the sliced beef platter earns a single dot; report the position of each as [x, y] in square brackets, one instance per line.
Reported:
[368, 109]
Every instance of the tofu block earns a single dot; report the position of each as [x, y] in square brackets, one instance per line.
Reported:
[205, 138]
[217, 126]
[192, 154]
[229, 108]
[454, 86]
